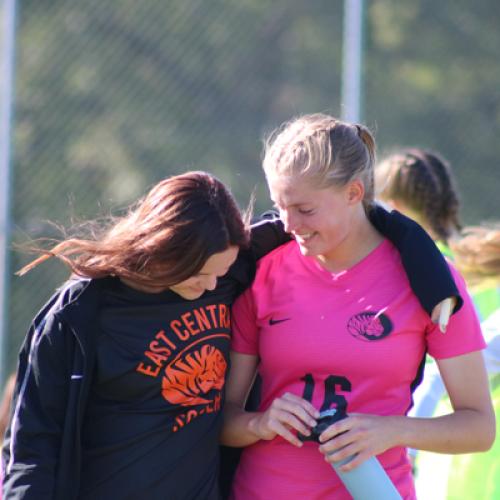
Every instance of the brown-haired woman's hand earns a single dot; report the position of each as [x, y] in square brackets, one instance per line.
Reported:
[442, 312]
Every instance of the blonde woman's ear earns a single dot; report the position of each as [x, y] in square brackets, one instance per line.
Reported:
[356, 191]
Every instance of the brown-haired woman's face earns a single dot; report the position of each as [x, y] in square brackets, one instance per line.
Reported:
[216, 266]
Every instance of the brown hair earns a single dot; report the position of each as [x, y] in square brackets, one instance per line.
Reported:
[163, 239]
[477, 252]
[326, 150]
[424, 182]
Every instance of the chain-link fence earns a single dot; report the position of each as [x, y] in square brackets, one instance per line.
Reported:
[113, 96]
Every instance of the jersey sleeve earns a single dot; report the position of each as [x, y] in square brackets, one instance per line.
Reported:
[244, 325]
[425, 266]
[463, 334]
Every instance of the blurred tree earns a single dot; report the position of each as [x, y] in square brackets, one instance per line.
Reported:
[113, 96]
[437, 63]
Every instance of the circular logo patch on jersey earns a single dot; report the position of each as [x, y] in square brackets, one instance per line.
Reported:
[369, 326]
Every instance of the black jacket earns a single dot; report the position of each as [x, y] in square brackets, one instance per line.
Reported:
[59, 348]
[43, 447]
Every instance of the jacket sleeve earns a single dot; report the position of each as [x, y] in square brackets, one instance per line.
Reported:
[428, 273]
[32, 442]
[427, 270]
[267, 233]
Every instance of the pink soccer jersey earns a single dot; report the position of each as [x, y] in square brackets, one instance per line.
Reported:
[356, 337]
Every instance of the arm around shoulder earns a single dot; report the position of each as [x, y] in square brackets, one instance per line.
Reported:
[427, 270]
[267, 234]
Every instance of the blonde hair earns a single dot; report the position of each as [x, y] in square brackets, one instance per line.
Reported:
[327, 151]
[477, 252]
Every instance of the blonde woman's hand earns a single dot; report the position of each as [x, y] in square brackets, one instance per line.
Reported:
[287, 415]
[358, 435]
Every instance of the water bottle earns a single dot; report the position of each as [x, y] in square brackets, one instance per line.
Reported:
[367, 481]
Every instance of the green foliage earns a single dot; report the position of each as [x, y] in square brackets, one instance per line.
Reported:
[113, 96]
[436, 63]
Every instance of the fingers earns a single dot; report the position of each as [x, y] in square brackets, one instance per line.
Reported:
[287, 415]
[336, 429]
[279, 428]
[442, 312]
[351, 461]
[347, 456]
[300, 407]
[345, 443]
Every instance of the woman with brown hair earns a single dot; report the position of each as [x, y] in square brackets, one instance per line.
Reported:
[131, 352]
[121, 376]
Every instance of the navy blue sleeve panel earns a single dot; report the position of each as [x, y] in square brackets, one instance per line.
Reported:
[429, 275]
[32, 442]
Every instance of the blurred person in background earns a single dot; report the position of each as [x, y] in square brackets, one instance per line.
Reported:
[477, 255]
[5, 406]
[421, 184]
[5, 403]
[330, 321]
[120, 380]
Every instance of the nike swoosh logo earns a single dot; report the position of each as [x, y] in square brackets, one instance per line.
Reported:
[276, 321]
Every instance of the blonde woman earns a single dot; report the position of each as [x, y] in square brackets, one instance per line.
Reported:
[331, 322]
